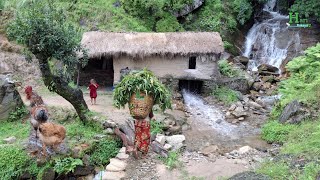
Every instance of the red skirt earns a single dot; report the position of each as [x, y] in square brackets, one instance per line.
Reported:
[142, 135]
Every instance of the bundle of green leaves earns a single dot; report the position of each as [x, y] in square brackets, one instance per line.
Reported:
[141, 81]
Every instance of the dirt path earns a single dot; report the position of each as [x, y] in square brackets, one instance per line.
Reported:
[103, 106]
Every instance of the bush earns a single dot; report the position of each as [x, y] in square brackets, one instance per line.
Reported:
[273, 131]
[156, 127]
[227, 70]
[103, 151]
[14, 162]
[172, 161]
[224, 94]
[66, 165]
[304, 82]
[18, 114]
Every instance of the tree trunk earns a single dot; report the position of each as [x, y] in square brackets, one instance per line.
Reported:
[61, 87]
[78, 76]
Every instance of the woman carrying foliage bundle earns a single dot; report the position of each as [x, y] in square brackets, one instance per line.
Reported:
[141, 90]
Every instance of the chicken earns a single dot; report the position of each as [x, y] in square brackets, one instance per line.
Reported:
[39, 115]
[34, 98]
[51, 135]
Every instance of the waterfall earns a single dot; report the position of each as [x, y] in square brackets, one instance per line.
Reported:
[268, 42]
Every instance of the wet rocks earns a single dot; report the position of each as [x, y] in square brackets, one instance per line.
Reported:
[241, 59]
[266, 69]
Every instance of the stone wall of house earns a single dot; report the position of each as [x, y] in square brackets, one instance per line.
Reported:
[103, 77]
[177, 67]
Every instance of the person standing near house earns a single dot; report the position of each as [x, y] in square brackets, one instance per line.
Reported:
[93, 91]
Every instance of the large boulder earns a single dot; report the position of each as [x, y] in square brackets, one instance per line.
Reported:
[266, 69]
[241, 59]
[294, 113]
[9, 97]
[189, 8]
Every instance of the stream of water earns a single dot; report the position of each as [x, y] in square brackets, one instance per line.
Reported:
[268, 42]
[214, 117]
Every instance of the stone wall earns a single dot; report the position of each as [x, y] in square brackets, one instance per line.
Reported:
[9, 97]
[177, 67]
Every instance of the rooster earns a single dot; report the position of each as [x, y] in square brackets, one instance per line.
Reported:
[34, 98]
[39, 115]
[51, 135]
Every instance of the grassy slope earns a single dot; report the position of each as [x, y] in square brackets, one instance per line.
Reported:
[300, 142]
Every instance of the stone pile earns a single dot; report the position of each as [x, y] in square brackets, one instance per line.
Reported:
[241, 109]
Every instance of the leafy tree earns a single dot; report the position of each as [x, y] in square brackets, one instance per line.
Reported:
[46, 34]
[157, 14]
[310, 8]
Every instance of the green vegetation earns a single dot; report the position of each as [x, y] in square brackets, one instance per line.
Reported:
[66, 165]
[45, 33]
[156, 127]
[18, 114]
[304, 81]
[16, 129]
[142, 81]
[14, 162]
[156, 15]
[227, 70]
[103, 151]
[225, 94]
[299, 141]
[282, 170]
[273, 131]
[307, 9]
[172, 161]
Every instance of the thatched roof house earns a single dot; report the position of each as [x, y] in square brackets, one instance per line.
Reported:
[149, 44]
[181, 55]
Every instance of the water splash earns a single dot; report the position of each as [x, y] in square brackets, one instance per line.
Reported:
[267, 42]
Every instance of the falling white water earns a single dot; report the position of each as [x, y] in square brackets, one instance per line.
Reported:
[267, 42]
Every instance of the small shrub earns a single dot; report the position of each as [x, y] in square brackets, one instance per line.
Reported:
[172, 161]
[156, 127]
[18, 114]
[66, 165]
[103, 151]
[224, 94]
[273, 131]
[226, 69]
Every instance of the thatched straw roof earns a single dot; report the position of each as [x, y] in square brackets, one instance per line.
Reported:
[148, 44]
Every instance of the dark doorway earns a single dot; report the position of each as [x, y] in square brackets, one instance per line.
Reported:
[191, 85]
[99, 69]
[192, 62]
